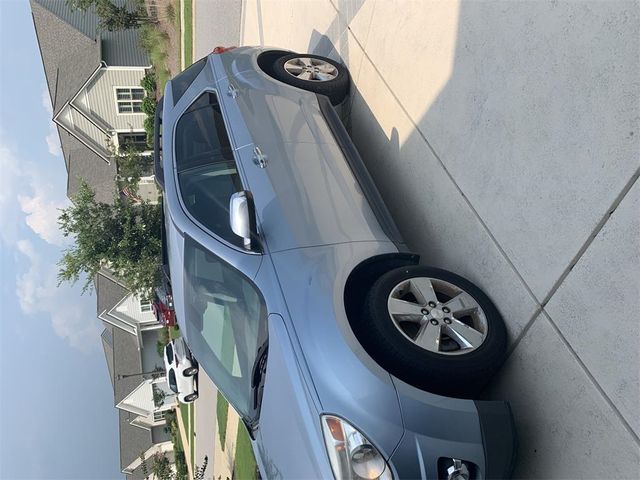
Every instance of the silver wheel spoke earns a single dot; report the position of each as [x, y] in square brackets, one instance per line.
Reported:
[294, 69]
[429, 337]
[305, 75]
[422, 289]
[323, 76]
[327, 68]
[403, 310]
[464, 335]
[462, 303]
[307, 62]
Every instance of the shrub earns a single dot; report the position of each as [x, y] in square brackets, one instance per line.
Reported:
[148, 127]
[149, 83]
[149, 106]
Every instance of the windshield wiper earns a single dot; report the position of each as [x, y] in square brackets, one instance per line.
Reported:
[257, 376]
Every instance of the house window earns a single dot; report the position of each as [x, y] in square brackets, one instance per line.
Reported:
[133, 140]
[145, 305]
[129, 99]
[158, 416]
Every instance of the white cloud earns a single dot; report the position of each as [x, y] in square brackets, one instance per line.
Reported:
[31, 192]
[72, 318]
[28, 196]
[42, 215]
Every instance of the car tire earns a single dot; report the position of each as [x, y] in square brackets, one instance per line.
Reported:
[191, 397]
[423, 343]
[327, 77]
[190, 372]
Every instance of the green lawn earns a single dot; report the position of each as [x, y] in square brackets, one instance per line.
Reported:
[188, 32]
[184, 413]
[222, 412]
[245, 462]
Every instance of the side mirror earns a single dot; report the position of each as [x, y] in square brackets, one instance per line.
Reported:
[242, 216]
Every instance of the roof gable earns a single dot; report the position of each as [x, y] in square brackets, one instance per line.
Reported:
[69, 56]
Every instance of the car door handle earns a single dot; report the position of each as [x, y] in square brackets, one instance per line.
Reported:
[232, 91]
[259, 158]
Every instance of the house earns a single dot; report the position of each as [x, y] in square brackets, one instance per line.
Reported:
[93, 78]
[129, 341]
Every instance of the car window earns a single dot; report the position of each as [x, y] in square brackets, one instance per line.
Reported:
[169, 351]
[201, 136]
[181, 82]
[171, 378]
[206, 192]
[225, 321]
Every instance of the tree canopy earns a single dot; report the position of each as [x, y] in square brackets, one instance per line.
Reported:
[122, 236]
[112, 16]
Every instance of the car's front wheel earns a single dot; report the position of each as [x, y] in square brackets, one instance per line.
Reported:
[314, 73]
[190, 372]
[433, 329]
[191, 397]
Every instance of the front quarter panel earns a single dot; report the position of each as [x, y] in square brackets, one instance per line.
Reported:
[349, 384]
[289, 442]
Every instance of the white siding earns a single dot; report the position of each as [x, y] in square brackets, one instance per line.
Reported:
[87, 128]
[130, 309]
[101, 98]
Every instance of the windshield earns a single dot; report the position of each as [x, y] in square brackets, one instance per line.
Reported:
[226, 323]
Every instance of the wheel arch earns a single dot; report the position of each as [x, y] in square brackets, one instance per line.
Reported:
[363, 276]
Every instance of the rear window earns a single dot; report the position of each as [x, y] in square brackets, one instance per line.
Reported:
[181, 82]
[201, 136]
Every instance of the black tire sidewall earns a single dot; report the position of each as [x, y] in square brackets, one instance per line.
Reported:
[460, 375]
[336, 89]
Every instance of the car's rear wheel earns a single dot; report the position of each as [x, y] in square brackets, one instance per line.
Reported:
[433, 329]
[190, 372]
[191, 397]
[314, 73]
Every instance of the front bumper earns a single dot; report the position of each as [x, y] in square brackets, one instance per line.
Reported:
[437, 429]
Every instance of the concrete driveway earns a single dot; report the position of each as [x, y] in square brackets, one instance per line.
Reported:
[505, 137]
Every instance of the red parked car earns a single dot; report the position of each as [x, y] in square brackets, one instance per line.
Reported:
[162, 305]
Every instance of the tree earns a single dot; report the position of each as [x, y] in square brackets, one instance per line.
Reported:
[121, 236]
[131, 166]
[113, 17]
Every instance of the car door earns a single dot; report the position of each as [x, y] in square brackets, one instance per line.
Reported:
[304, 191]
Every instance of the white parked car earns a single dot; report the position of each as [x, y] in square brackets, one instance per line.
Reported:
[182, 370]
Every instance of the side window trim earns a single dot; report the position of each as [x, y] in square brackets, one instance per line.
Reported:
[240, 171]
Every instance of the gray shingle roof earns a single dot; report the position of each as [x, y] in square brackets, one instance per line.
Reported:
[133, 442]
[68, 55]
[120, 48]
[127, 361]
[83, 164]
[107, 346]
[108, 292]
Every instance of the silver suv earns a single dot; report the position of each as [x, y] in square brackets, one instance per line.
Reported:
[295, 291]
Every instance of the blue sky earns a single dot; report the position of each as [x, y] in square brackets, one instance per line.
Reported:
[57, 418]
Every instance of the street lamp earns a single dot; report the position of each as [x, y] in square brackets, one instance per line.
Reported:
[154, 374]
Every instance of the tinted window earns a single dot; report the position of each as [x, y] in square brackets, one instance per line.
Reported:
[201, 136]
[171, 378]
[206, 192]
[182, 81]
[169, 350]
[225, 322]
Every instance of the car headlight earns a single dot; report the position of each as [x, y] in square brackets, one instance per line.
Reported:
[352, 456]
